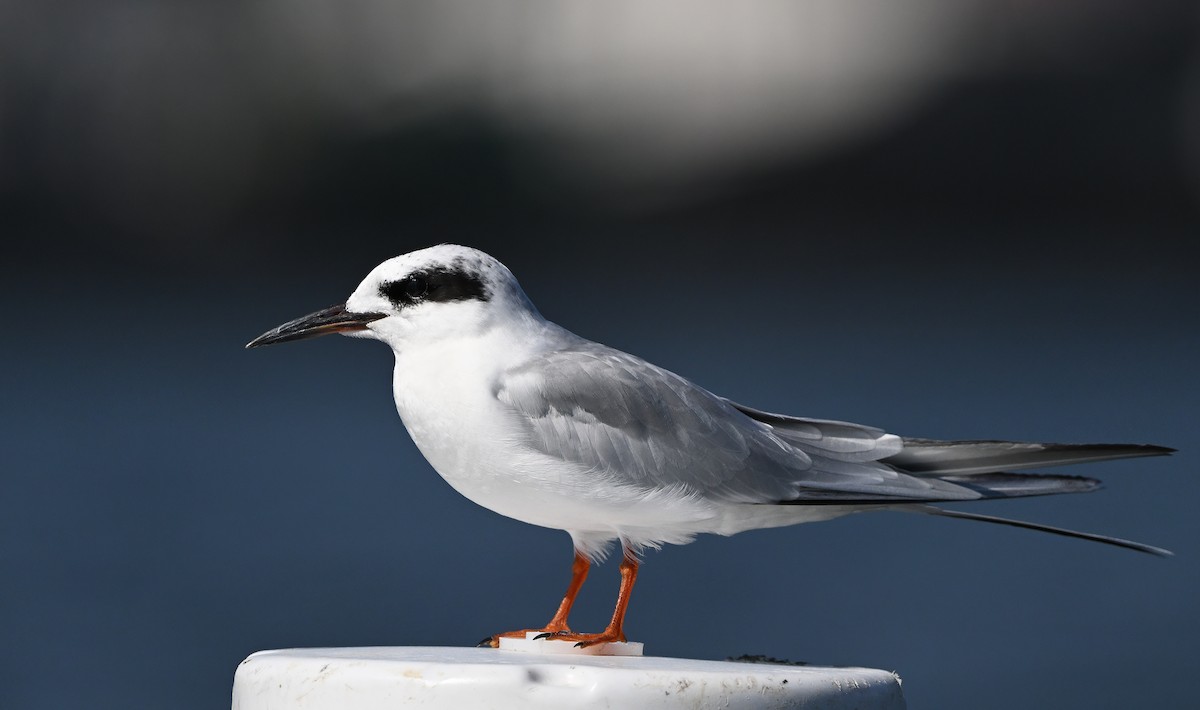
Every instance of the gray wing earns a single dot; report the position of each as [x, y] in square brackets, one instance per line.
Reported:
[973, 464]
[643, 426]
[982, 465]
[928, 457]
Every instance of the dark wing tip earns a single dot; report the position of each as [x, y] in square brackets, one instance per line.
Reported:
[1152, 450]
[1124, 450]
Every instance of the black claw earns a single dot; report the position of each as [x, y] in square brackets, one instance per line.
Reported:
[548, 634]
[486, 642]
[581, 644]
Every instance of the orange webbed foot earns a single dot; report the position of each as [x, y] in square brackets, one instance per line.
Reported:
[547, 632]
[585, 640]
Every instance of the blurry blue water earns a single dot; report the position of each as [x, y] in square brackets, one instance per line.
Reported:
[173, 503]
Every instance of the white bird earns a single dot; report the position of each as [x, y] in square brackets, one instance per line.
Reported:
[536, 423]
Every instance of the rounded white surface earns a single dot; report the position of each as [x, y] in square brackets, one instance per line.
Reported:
[449, 677]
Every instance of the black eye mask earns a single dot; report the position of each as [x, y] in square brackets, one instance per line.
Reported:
[441, 285]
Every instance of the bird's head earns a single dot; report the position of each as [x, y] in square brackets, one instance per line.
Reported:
[439, 292]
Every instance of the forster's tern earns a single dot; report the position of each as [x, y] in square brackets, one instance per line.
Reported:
[536, 423]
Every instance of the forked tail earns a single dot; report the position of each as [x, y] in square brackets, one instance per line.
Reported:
[1106, 539]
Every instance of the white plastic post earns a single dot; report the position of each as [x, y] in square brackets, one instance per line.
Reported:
[448, 677]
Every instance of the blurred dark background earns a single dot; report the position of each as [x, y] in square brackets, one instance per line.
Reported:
[949, 219]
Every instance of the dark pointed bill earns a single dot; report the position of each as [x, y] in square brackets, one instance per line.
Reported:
[335, 319]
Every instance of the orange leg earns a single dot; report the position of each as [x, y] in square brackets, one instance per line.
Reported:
[579, 573]
[557, 625]
[615, 630]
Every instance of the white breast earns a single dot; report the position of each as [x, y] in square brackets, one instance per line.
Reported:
[445, 394]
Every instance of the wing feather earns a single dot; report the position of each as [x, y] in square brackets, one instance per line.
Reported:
[933, 457]
[644, 426]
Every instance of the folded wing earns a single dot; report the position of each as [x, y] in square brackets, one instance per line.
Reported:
[624, 419]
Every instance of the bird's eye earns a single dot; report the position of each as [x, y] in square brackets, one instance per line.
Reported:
[406, 291]
[415, 286]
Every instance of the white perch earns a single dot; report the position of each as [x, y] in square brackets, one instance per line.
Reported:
[449, 677]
